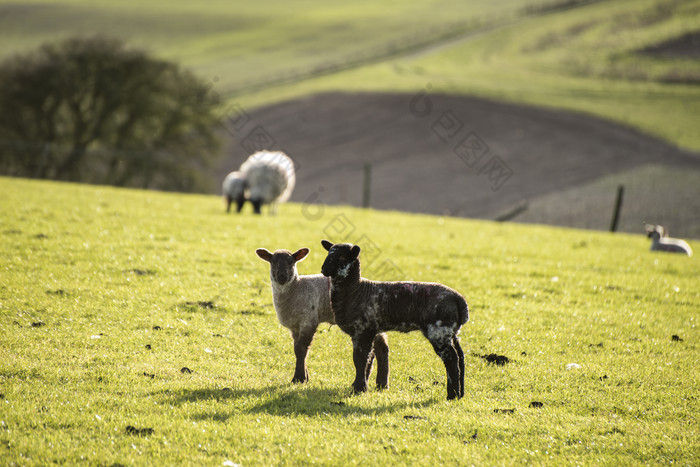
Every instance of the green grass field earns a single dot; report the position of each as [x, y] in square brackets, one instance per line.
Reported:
[107, 294]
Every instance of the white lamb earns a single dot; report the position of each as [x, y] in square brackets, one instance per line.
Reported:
[302, 302]
[661, 242]
[233, 189]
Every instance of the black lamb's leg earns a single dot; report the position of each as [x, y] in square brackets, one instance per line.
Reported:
[460, 355]
[381, 350]
[302, 342]
[449, 357]
[361, 348]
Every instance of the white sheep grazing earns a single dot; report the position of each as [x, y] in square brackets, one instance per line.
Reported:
[233, 189]
[270, 178]
[660, 242]
[302, 302]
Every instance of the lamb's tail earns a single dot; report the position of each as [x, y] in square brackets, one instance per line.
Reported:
[462, 309]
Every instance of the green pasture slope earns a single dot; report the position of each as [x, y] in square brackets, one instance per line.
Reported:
[581, 55]
[584, 58]
[236, 44]
[106, 295]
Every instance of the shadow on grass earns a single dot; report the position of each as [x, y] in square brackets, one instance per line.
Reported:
[289, 400]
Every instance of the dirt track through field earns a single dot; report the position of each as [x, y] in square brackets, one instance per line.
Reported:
[451, 155]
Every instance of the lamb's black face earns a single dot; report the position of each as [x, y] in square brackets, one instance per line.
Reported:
[339, 259]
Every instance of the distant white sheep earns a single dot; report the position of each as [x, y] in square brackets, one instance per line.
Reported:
[233, 189]
[266, 177]
[661, 242]
[302, 303]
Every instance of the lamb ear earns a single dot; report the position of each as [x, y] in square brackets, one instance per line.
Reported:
[355, 252]
[326, 244]
[300, 254]
[264, 254]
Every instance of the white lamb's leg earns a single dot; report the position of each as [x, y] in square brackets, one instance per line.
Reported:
[302, 341]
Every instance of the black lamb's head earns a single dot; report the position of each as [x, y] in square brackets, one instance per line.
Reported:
[340, 257]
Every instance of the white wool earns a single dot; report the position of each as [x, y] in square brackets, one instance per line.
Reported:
[660, 242]
[265, 182]
[270, 176]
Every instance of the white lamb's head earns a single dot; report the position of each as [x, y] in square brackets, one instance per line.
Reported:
[282, 263]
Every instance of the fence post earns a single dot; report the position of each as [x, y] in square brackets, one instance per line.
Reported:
[618, 207]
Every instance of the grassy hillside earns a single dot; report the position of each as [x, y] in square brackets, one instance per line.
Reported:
[106, 295]
[580, 55]
[238, 44]
[586, 59]
[589, 60]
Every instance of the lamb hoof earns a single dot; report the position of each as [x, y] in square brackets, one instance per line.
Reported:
[359, 390]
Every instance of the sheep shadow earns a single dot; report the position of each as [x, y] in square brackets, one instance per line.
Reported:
[287, 400]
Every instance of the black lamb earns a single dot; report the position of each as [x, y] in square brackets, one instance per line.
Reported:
[364, 308]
